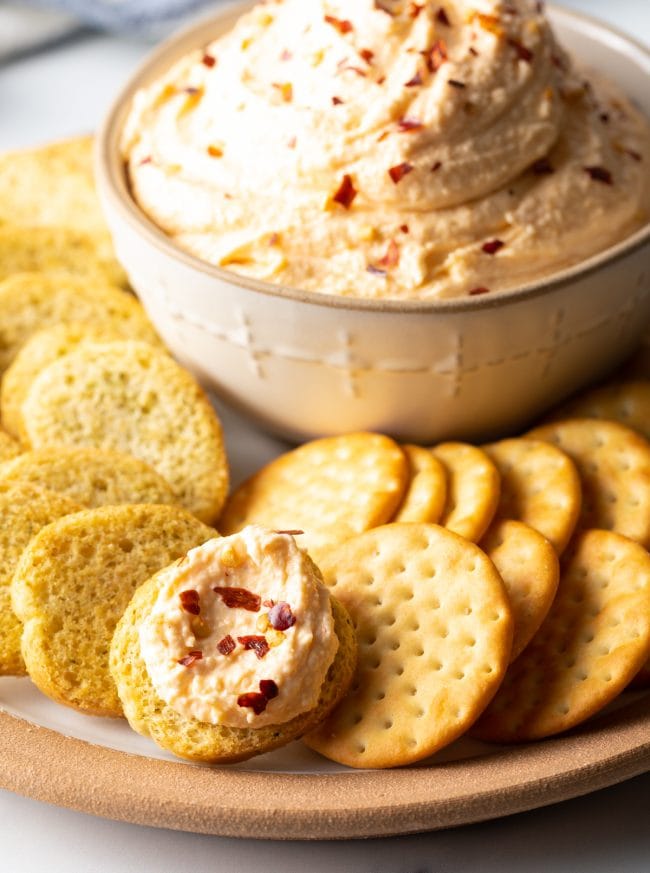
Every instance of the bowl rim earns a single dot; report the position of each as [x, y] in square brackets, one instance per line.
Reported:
[109, 170]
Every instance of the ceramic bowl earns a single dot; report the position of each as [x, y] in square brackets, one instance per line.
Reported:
[303, 364]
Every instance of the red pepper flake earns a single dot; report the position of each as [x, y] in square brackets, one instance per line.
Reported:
[341, 24]
[480, 290]
[190, 601]
[523, 53]
[292, 533]
[253, 700]
[391, 258]
[367, 55]
[436, 166]
[285, 89]
[375, 271]
[346, 192]
[473, 51]
[269, 688]
[239, 598]
[336, 101]
[147, 160]
[397, 173]
[415, 81]
[281, 617]
[291, 143]
[192, 91]
[492, 246]
[599, 174]
[604, 117]
[407, 125]
[542, 167]
[214, 151]
[415, 9]
[344, 66]
[381, 80]
[274, 239]
[456, 84]
[436, 56]
[404, 228]
[636, 156]
[190, 659]
[268, 603]
[442, 17]
[226, 645]
[208, 60]
[286, 55]
[255, 644]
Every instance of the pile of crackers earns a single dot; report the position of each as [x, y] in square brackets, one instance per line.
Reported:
[501, 590]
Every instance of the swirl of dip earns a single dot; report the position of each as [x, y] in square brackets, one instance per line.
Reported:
[241, 633]
[377, 148]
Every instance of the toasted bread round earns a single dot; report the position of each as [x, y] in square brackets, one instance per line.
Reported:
[40, 350]
[197, 740]
[24, 510]
[133, 398]
[74, 581]
[32, 301]
[90, 477]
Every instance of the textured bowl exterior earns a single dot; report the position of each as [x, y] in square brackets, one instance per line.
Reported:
[306, 365]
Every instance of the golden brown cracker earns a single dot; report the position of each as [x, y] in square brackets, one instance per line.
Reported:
[435, 631]
[424, 500]
[539, 486]
[530, 570]
[613, 462]
[331, 489]
[593, 641]
[473, 489]
[626, 402]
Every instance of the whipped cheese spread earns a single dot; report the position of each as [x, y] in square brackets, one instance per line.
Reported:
[241, 633]
[383, 149]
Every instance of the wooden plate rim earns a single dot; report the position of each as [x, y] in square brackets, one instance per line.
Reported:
[46, 765]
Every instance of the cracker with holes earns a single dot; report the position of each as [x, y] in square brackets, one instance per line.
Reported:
[91, 477]
[592, 643]
[613, 462]
[625, 402]
[234, 651]
[331, 489]
[434, 629]
[133, 398]
[74, 581]
[540, 486]
[473, 489]
[24, 510]
[530, 570]
[424, 500]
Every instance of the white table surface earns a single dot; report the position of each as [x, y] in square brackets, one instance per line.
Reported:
[64, 91]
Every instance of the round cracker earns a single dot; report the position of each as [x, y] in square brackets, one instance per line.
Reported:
[529, 567]
[613, 462]
[435, 631]
[332, 489]
[625, 402]
[24, 510]
[426, 492]
[133, 398]
[539, 486]
[90, 477]
[73, 583]
[473, 489]
[196, 740]
[594, 640]
[41, 349]
[32, 301]
[68, 250]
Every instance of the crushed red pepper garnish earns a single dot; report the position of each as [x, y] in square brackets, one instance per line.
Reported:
[281, 617]
[239, 598]
[226, 645]
[404, 228]
[636, 156]
[491, 247]
[436, 56]
[599, 174]
[147, 160]
[604, 117]
[214, 151]
[341, 24]
[253, 700]
[191, 658]
[269, 688]
[480, 290]
[442, 17]
[268, 603]
[473, 51]
[398, 172]
[436, 166]
[455, 83]
[542, 167]
[391, 258]
[375, 271]
[208, 60]
[336, 101]
[291, 143]
[415, 9]
[407, 125]
[190, 601]
[286, 55]
[367, 55]
[346, 192]
[253, 643]
[415, 81]
[523, 53]
[292, 533]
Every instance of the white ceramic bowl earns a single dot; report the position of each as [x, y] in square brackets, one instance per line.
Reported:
[304, 364]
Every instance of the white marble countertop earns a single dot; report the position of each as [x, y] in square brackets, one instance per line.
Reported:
[66, 90]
